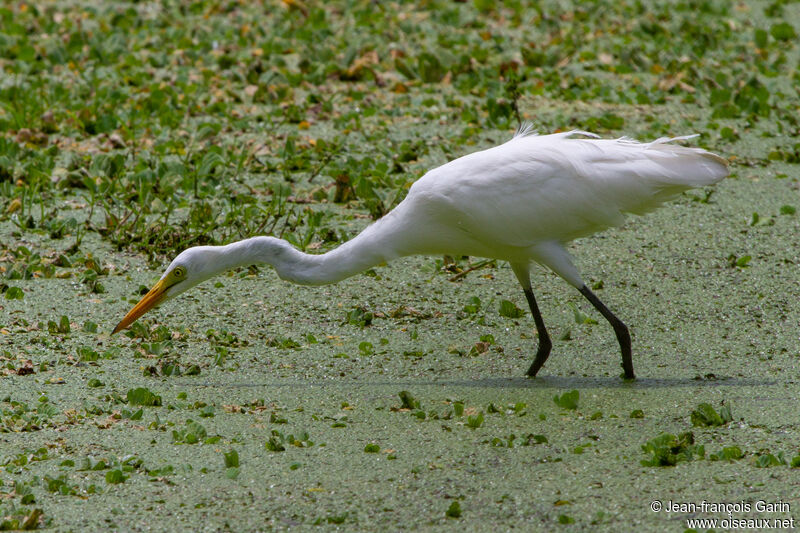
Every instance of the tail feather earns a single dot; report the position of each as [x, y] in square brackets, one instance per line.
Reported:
[665, 140]
[690, 167]
[639, 177]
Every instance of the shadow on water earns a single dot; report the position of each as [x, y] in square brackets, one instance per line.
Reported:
[547, 382]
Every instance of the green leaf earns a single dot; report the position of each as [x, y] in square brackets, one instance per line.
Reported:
[532, 439]
[725, 413]
[275, 442]
[783, 31]
[211, 161]
[509, 309]
[193, 370]
[430, 67]
[85, 353]
[143, 396]
[337, 519]
[767, 460]
[706, 416]
[757, 220]
[359, 316]
[475, 421]
[473, 306]
[760, 37]
[454, 511]
[115, 476]
[196, 430]
[366, 348]
[729, 453]
[568, 400]
[580, 316]
[408, 401]
[231, 458]
[669, 450]
[14, 293]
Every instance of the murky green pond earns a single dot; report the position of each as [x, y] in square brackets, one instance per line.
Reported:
[396, 399]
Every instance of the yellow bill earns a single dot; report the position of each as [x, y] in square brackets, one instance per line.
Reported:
[149, 301]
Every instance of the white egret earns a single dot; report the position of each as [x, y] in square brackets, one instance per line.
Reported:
[519, 202]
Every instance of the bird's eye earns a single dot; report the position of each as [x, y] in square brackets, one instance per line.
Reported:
[179, 272]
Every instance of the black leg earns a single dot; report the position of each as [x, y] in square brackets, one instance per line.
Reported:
[620, 329]
[544, 339]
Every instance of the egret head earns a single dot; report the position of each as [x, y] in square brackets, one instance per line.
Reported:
[190, 268]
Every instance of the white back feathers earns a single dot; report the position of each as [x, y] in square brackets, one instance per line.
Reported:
[538, 188]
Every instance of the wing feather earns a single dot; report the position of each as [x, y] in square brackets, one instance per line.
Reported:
[536, 188]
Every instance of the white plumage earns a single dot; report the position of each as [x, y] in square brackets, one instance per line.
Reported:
[520, 202]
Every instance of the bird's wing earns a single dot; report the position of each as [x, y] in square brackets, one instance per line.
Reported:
[534, 189]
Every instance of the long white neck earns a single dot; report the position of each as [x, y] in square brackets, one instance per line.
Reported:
[367, 249]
